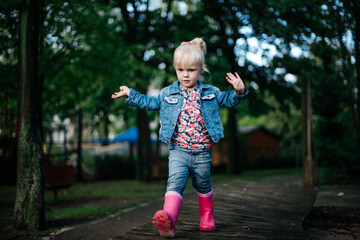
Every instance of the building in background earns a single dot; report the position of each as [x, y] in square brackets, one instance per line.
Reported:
[258, 147]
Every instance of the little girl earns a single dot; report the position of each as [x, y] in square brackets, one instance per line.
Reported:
[189, 119]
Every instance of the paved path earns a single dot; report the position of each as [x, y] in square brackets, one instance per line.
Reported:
[271, 209]
[243, 210]
[335, 214]
[113, 225]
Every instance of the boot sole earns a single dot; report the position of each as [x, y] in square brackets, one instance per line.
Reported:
[206, 229]
[162, 223]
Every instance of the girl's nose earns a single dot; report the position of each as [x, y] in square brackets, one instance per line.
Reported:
[186, 73]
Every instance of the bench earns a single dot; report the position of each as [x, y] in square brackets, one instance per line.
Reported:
[58, 177]
[159, 168]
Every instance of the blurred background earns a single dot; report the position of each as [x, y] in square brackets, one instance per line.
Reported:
[87, 49]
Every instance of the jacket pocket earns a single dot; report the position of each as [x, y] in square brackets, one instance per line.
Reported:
[208, 97]
[209, 102]
[171, 100]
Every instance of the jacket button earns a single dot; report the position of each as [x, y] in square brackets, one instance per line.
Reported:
[178, 109]
[173, 125]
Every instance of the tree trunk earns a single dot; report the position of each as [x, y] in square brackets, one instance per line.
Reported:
[66, 152]
[144, 163]
[356, 34]
[29, 203]
[79, 176]
[105, 128]
[42, 29]
[311, 176]
[5, 116]
[48, 150]
[232, 143]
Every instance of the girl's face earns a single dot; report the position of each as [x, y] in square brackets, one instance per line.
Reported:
[188, 75]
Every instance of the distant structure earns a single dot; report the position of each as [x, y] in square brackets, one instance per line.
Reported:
[257, 146]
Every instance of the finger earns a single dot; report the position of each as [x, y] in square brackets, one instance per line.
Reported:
[237, 75]
[230, 75]
[230, 81]
[117, 95]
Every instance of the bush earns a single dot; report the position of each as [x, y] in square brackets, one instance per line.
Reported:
[284, 161]
[7, 170]
[110, 167]
[341, 162]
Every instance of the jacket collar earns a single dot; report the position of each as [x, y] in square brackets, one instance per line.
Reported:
[174, 88]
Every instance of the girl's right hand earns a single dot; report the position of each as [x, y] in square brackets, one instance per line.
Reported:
[124, 91]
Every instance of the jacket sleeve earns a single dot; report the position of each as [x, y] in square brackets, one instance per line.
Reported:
[229, 98]
[136, 99]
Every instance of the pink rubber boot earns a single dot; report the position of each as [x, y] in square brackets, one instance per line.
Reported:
[165, 220]
[206, 211]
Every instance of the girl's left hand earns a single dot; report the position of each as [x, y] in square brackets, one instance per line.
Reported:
[236, 82]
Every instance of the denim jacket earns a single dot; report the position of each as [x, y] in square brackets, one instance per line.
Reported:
[169, 101]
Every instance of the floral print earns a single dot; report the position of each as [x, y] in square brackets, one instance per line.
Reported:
[190, 131]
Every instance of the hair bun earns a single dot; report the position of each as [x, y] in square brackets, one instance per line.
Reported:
[201, 43]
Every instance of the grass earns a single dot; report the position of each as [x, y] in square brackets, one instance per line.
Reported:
[95, 190]
[116, 189]
[87, 211]
[254, 175]
[134, 188]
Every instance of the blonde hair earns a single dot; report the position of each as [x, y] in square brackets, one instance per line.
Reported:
[191, 53]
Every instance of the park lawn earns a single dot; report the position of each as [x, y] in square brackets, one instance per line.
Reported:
[255, 175]
[133, 191]
[134, 188]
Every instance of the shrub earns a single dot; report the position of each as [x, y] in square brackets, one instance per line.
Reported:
[113, 167]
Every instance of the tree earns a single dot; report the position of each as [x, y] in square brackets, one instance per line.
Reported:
[311, 177]
[136, 24]
[29, 204]
[224, 32]
[327, 34]
[9, 16]
[353, 24]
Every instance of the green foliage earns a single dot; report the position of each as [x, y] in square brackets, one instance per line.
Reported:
[275, 162]
[9, 69]
[88, 49]
[7, 170]
[322, 30]
[113, 167]
[340, 159]
[333, 103]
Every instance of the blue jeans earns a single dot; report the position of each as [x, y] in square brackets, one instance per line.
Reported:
[183, 162]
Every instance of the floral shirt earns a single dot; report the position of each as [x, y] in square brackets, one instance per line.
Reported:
[190, 131]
